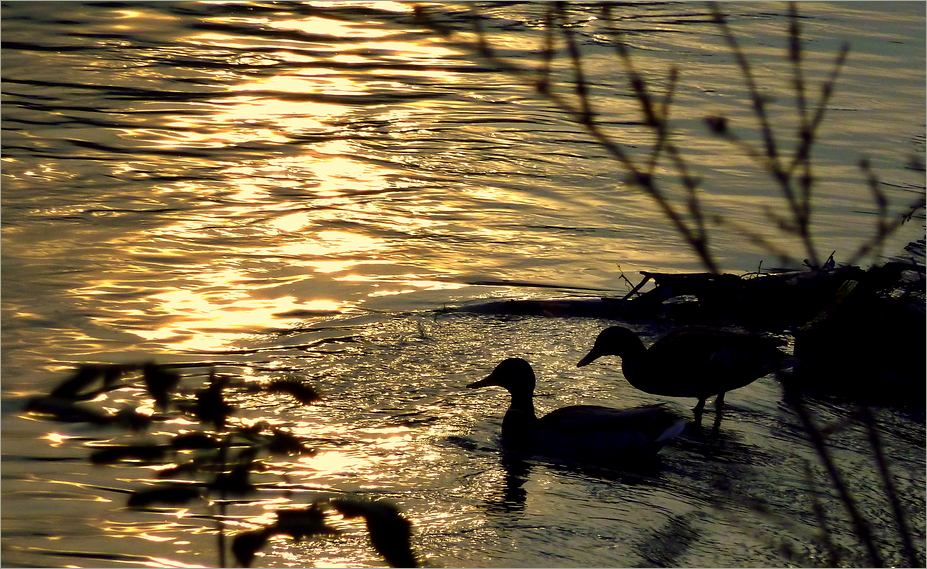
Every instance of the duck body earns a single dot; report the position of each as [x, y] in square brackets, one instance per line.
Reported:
[581, 433]
[690, 362]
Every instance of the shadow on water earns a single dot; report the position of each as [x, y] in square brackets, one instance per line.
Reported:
[695, 470]
[510, 496]
[667, 545]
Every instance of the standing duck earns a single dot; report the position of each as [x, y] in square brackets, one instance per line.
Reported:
[580, 433]
[690, 362]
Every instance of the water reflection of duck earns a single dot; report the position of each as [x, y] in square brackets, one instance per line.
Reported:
[580, 433]
[690, 362]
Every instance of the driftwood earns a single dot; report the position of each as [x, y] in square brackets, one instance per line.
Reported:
[767, 302]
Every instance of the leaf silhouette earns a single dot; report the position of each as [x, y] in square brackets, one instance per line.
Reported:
[160, 383]
[235, 481]
[194, 441]
[83, 377]
[169, 494]
[303, 393]
[67, 411]
[302, 522]
[390, 532]
[132, 419]
[211, 407]
[246, 544]
[297, 523]
[112, 454]
[283, 442]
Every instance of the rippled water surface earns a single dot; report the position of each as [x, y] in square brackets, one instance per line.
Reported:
[295, 189]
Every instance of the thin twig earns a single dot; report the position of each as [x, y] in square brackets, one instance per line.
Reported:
[896, 222]
[832, 555]
[759, 101]
[752, 236]
[775, 169]
[796, 180]
[882, 223]
[639, 177]
[861, 527]
[827, 91]
[579, 78]
[547, 54]
[900, 519]
[803, 152]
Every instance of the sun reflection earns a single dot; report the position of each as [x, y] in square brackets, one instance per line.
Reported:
[420, 282]
[224, 316]
[338, 175]
[266, 271]
[326, 26]
[405, 49]
[243, 119]
[319, 82]
[250, 192]
[167, 563]
[334, 242]
[154, 538]
[333, 462]
[292, 222]
[56, 439]
[381, 293]
[347, 58]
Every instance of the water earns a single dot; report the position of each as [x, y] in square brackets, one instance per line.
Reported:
[181, 181]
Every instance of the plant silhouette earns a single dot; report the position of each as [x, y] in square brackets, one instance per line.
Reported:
[226, 453]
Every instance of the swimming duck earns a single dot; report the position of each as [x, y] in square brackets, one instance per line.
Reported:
[690, 362]
[582, 433]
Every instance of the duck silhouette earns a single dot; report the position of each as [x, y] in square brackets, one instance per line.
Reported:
[690, 362]
[578, 433]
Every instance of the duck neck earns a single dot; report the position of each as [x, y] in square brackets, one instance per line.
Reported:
[634, 363]
[520, 420]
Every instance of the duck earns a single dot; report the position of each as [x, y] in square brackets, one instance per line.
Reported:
[577, 433]
[694, 361]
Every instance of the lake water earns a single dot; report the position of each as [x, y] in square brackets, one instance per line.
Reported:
[196, 182]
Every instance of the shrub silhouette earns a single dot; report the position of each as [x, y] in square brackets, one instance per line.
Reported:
[228, 453]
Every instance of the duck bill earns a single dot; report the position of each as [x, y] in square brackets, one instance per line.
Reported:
[588, 358]
[485, 382]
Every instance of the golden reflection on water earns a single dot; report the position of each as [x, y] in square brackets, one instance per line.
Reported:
[334, 28]
[214, 299]
[331, 242]
[296, 116]
[339, 174]
[56, 439]
[223, 317]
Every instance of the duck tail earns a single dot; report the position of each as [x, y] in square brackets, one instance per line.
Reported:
[671, 433]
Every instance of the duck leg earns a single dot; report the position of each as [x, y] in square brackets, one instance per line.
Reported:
[697, 410]
[716, 426]
[719, 404]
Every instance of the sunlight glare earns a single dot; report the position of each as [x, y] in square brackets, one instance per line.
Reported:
[333, 462]
[328, 27]
[209, 321]
[292, 222]
[331, 242]
[56, 439]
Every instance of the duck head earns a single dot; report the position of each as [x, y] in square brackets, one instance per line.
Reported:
[513, 374]
[613, 341]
